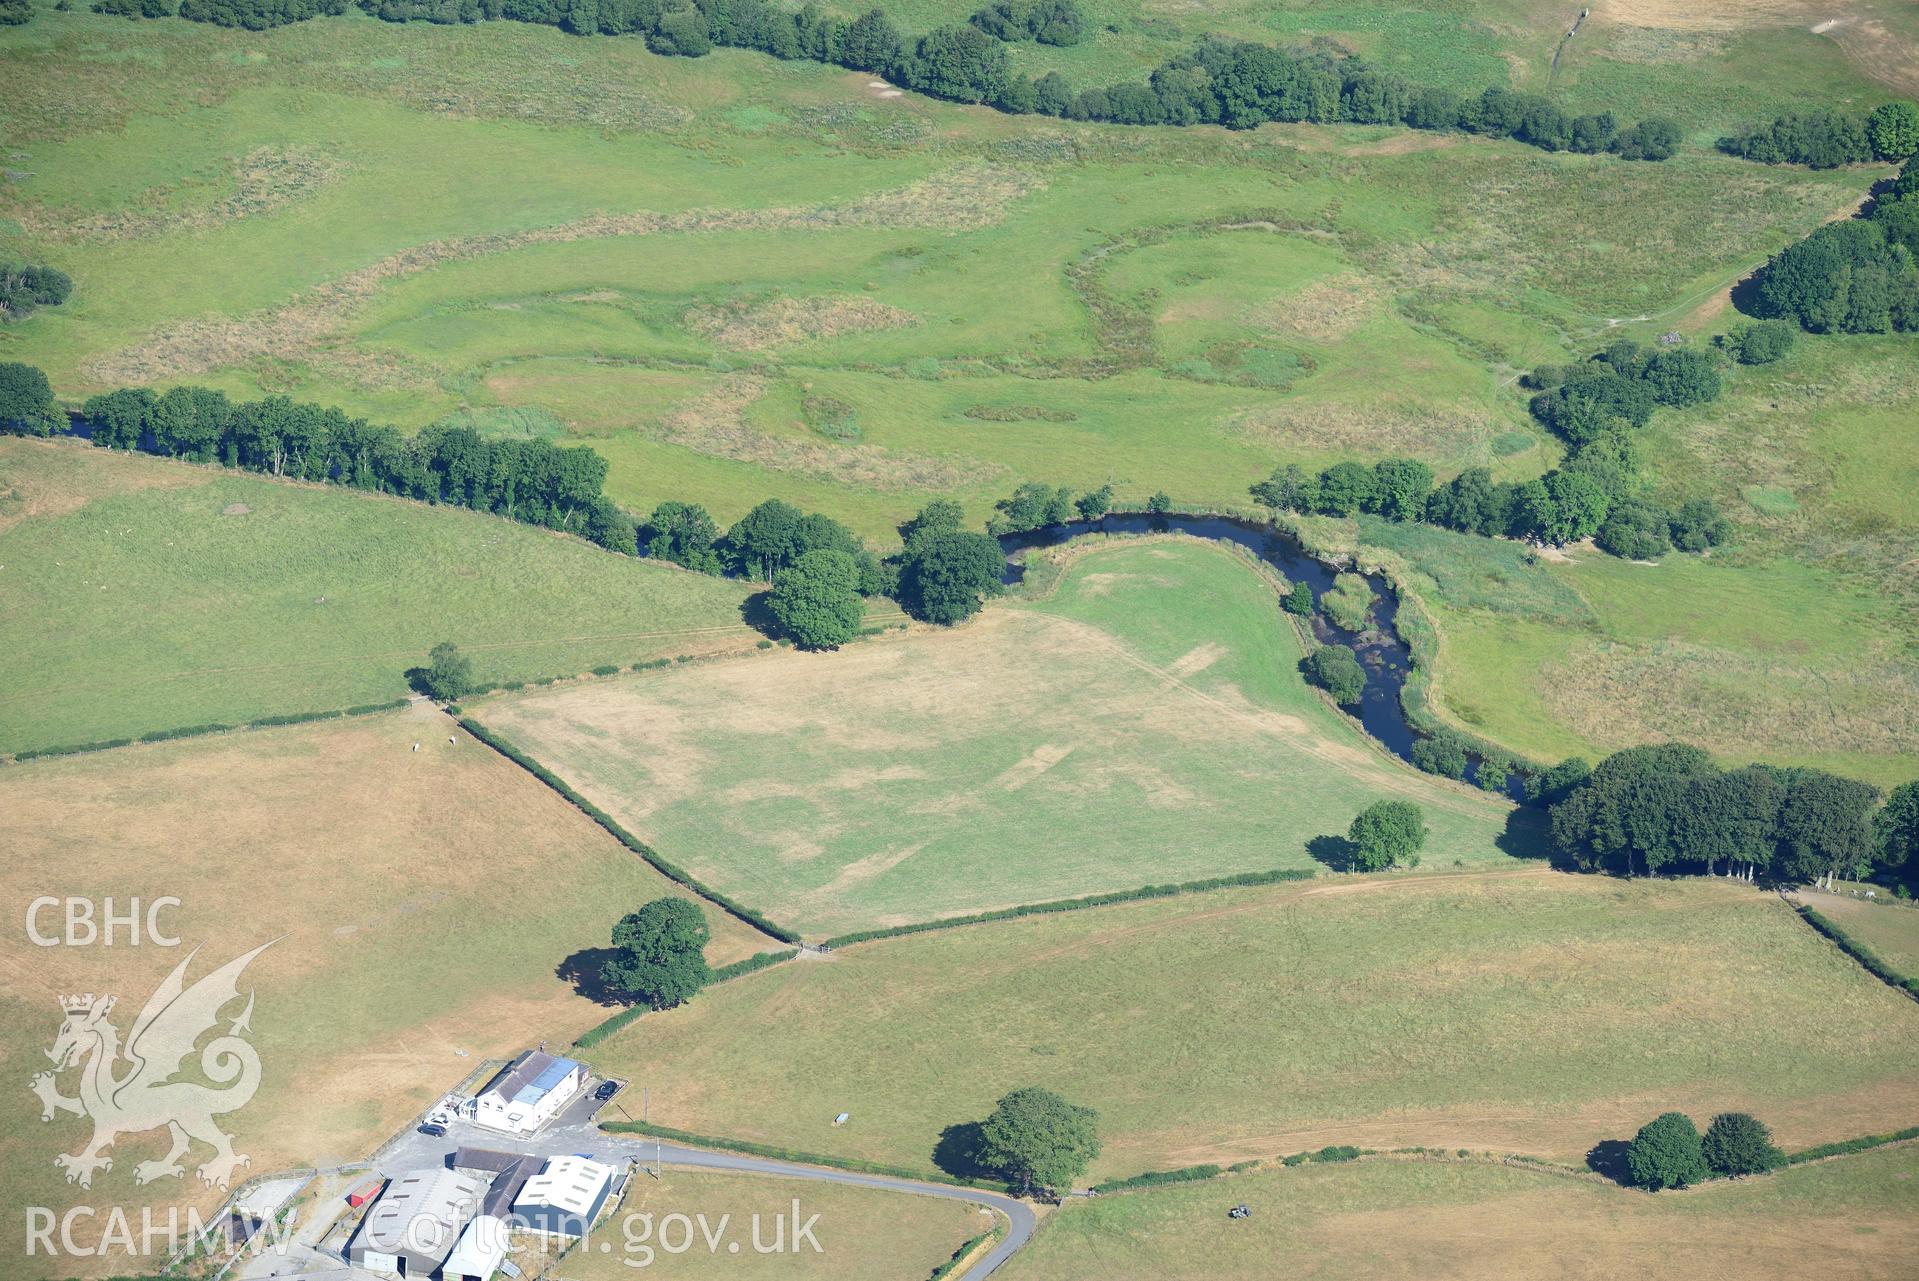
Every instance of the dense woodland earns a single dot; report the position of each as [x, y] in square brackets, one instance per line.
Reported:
[1860, 276]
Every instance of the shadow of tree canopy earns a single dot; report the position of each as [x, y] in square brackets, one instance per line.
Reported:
[957, 1152]
[1609, 1158]
[1335, 852]
[582, 970]
[756, 612]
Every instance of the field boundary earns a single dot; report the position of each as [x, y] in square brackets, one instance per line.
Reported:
[672, 871]
[726, 973]
[776, 1153]
[1868, 960]
[208, 730]
[1107, 899]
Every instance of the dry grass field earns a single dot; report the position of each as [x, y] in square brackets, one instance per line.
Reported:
[863, 1235]
[1854, 1219]
[1517, 1011]
[1143, 723]
[421, 902]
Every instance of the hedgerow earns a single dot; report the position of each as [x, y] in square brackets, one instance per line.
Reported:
[672, 871]
[1156, 1178]
[738, 969]
[1075, 904]
[1868, 959]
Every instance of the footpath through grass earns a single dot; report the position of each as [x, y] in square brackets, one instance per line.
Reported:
[1146, 723]
[1526, 1011]
[140, 595]
[1855, 1219]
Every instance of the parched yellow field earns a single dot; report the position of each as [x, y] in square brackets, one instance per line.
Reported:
[1854, 1219]
[1143, 723]
[418, 905]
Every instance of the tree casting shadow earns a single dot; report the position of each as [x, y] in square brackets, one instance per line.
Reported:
[1335, 852]
[582, 970]
[957, 1151]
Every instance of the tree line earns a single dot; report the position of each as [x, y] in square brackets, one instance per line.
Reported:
[1669, 807]
[1860, 276]
[1822, 139]
[820, 570]
[1238, 84]
[1595, 406]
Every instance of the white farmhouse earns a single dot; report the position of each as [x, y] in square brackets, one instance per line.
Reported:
[528, 1092]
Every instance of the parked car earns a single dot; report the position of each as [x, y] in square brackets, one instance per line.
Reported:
[1240, 1212]
[433, 1129]
[607, 1090]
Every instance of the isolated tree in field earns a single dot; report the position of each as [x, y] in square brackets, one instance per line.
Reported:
[1387, 834]
[1037, 1140]
[1666, 1153]
[1298, 600]
[950, 576]
[660, 953]
[816, 600]
[448, 673]
[26, 402]
[1737, 1143]
[1336, 669]
[1893, 130]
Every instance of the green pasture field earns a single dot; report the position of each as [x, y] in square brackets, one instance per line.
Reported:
[1144, 723]
[1794, 644]
[375, 866]
[739, 279]
[141, 595]
[1889, 929]
[1852, 1219]
[1517, 1011]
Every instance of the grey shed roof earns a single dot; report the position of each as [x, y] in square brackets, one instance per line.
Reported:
[487, 1160]
[423, 1213]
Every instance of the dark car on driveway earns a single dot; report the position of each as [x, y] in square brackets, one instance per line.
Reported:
[607, 1090]
[434, 1129]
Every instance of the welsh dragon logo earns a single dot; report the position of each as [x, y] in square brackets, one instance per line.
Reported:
[129, 1089]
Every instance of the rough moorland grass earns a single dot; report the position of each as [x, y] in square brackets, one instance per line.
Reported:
[1198, 307]
[143, 595]
[378, 869]
[1491, 1011]
[863, 1234]
[1145, 723]
[1852, 1219]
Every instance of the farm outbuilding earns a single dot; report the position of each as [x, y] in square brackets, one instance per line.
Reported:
[412, 1228]
[565, 1197]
